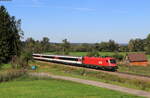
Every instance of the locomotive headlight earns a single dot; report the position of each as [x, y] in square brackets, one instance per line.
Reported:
[100, 62]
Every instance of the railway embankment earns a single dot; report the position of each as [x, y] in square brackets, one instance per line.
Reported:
[91, 74]
[138, 70]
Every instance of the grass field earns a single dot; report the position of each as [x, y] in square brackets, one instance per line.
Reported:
[79, 72]
[101, 53]
[139, 70]
[85, 53]
[148, 56]
[50, 88]
[5, 67]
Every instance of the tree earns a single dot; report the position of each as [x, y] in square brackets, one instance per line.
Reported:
[22, 61]
[10, 34]
[123, 48]
[94, 51]
[45, 44]
[136, 45]
[85, 47]
[113, 46]
[65, 47]
[103, 46]
[108, 46]
[96, 46]
[30, 44]
[147, 44]
[38, 47]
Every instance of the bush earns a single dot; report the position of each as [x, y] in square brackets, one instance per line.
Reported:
[11, 74]
[22, 60]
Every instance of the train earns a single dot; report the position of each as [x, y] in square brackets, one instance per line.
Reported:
[105, 63]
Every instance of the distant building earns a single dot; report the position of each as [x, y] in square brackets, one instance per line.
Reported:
[139, 59]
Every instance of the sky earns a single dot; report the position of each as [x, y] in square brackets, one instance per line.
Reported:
[82, 21]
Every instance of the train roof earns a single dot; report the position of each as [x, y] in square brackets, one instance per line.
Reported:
[76, 57]
[64, 56]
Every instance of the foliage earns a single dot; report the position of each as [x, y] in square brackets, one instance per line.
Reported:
[10, 34]
[108, 46]
[136, 45]
[93, 53]
[65, 47]
[22, 60]
[32, 45]
[45, 44]
[123, 48]
[147, 46]
[85, 47]
[37, 46]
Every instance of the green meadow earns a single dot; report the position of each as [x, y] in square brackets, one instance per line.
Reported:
[31, 87]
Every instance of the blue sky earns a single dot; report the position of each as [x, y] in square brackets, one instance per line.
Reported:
[80, 21]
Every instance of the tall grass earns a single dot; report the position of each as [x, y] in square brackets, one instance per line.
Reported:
[143, 85]
[141, 70]
[11, 74]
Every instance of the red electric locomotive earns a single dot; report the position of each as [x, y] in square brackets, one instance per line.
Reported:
[94, 62]
[100, 62]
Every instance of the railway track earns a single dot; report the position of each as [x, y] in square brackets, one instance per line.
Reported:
[134, 74]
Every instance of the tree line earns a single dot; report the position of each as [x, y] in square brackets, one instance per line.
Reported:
[11, 49]
[134, 45]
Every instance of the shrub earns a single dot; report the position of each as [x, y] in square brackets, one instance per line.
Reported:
[11, 74]
[22, 60]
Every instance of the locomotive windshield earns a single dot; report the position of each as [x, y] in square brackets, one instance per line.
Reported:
[113, 61]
